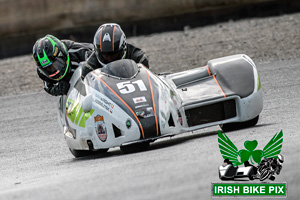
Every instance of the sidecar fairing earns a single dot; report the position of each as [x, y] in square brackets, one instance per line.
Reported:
[229, 172]
[125, 103]
[120, 104]
[225, 92]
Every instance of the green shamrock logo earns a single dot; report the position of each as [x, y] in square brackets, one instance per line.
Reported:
[229, 150]
[250, 153]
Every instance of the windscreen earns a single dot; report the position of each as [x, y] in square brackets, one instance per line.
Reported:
[124, 68]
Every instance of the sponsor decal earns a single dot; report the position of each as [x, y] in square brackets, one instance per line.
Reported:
[174, 97]
[145, 113]
[163, 115]
[163, 119]
[143, 105]
[44, 62]
[107, 105]
[139, 100]
[164, 96]
[128, 123]
[106, 37]
[100, 128]
[249, 164]
[75, 113]
[179, 117]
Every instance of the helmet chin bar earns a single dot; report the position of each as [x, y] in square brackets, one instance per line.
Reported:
[103, 63]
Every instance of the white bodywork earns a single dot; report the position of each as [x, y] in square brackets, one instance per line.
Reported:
[77, 113]
[240, 172]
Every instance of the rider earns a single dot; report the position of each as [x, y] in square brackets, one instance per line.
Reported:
[56, 61]
[273, 165]
[110, 45]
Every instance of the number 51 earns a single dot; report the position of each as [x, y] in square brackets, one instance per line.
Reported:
[128, 87]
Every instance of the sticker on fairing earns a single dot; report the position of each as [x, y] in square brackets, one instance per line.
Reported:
[128, 123]
[100, 128]
[145, 113]
[139, 100]
[75, 113]
[143, 105]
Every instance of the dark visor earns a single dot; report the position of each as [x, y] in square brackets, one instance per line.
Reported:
[112, 56]
[54, 69]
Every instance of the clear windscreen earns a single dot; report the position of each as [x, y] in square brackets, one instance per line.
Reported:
[124, 68]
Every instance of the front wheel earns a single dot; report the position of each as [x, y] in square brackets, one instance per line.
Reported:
[84, 153]
[239, 125]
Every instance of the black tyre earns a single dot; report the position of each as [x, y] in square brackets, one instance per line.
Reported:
[272, 178]
[85, 153]
[239, 125]
[133, 148]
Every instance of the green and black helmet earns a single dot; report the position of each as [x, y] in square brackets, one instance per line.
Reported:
[51, 57]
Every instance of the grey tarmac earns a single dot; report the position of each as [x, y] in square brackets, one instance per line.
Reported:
[35, 162]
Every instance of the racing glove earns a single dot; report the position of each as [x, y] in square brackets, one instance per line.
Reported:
[56, 89]
[63, 87]
[144, 60]
[51, 88]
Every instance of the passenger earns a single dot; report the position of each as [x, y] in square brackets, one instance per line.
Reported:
[56, 61]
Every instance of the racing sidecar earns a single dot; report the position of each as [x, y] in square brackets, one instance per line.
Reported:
[229, 172]
[125, 105]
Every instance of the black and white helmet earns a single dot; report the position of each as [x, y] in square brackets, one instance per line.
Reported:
[280, 158]
[109, 43]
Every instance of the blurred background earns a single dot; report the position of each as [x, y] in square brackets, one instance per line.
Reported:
[176, 35]
[22, 22]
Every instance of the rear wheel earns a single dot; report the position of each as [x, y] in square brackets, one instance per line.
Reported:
[84, 153]
[133, 148]
[239, 125]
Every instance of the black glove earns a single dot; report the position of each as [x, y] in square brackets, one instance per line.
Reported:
[86, 68]
[51, 88]
[63, 87]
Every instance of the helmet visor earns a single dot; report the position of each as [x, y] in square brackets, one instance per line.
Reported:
[111, 56]
[56, 69]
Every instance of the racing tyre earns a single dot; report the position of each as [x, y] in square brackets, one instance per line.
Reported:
[133, 148]
[239, 125]
[84, 153]
[272, 178]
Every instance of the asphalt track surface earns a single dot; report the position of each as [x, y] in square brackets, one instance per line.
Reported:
[35, 162]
